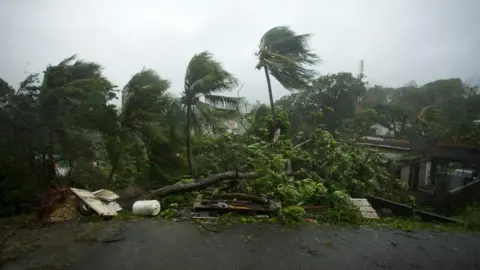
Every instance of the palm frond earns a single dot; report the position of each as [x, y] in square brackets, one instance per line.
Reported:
[227, 102]
[287, 56]
[67, 61]
[146, 82]
[145, 101]
[207, 116]
[205, 75]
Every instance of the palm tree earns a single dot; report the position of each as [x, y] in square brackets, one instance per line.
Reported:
[147, 118]
[287, 57]
[205, 78]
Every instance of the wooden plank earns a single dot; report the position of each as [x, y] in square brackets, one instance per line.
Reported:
[93, 202]
[226, 207]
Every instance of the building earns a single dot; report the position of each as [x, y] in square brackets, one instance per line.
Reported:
[413, 168]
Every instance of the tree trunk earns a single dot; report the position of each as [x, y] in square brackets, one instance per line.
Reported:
[115, 160]
[394, 127]
[189, 143]
[206, 182]
[49, 161]
[203, 183]
[112, 170]
[270, 95]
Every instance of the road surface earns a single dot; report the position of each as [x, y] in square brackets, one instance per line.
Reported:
[148, 244]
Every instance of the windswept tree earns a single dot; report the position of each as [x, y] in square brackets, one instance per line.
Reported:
[205, 79]
[146, 121]
[287, 57]
[50, 119]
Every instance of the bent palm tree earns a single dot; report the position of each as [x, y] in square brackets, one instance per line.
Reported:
[287, 57]
[146, 118]
[205, 78]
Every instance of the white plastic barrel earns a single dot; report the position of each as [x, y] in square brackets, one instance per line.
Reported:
[146, 208]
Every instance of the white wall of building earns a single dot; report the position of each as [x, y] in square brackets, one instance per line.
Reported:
[380, 130]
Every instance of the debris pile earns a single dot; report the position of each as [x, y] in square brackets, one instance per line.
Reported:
[365, 208]
[101, 201]
[213, 208]
[57, 204]
[64, 211]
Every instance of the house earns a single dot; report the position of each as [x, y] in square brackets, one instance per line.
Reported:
[231, 126]
[441, 175]
[412, 168]
[381, 130]
[453, 175]
[386, 131]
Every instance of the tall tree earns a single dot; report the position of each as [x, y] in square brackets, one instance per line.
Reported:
[147, 121]
[335, 95]
[287, 57]
[205, 79]
[50, 118]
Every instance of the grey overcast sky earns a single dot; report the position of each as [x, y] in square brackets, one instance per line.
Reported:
[399, 40]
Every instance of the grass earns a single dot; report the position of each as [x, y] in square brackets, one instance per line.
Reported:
[414, 224]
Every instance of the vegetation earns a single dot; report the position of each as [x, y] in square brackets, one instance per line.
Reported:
[204, 78]
[175, 145]
[286, 56]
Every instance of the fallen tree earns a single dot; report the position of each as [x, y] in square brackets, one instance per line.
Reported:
[203, 183]
[250, 167]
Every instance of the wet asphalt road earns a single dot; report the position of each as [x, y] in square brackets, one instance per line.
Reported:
[149, 245]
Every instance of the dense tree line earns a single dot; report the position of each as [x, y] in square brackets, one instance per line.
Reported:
[65, 116]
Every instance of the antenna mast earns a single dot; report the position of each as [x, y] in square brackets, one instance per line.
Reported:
[358, 107]
[361, 68]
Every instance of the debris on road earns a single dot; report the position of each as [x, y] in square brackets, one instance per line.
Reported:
[146, 208]
[365, 208]
[106, 195]
[216, 207]
[101, 201]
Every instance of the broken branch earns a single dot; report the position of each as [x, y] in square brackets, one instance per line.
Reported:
[203, 183]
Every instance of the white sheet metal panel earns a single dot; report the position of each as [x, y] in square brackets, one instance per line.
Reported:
[106, 195]
[95, 203]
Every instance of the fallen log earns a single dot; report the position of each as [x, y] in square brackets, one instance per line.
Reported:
[203, 183]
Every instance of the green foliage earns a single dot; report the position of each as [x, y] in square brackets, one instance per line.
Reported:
[287, 57]
[441, 110]
[471, 216]
[329, 102]
[416, 224]
[65, 116]
[51, 118]
[325, 171]
[293, 215]
[261, 123]
[340, 209]
[206, 78]
[143, 132]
